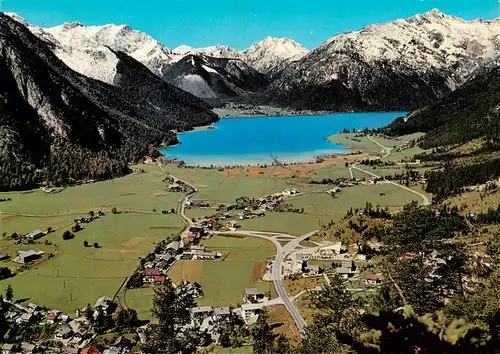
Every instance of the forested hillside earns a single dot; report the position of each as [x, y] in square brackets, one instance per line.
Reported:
[470, 112]
[59, 126]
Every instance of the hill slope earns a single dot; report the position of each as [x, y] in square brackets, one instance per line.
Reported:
[215, 78]
[58, 125]
[395, 66]
[470, 112]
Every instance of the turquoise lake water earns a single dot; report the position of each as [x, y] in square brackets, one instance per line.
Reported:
[259, 140]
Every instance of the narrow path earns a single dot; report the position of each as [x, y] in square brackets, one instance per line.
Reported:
[387, 150]
[425, 199]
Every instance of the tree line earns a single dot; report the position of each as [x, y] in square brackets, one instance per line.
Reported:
[452, 179]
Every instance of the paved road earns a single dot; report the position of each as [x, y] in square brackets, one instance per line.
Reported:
[281, 253]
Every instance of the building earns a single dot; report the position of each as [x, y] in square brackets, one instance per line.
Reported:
[221, 312]
[347, 269]
[150, 274]
[34, 235]
[28, 256]
[103, 303]
[203, 254]
[63, 333]
[27, 347]
[231, 225]
[314, 270]
[159, 279]
[174, 246]
[250, 313]
[199, 314]
[252, 295]
[91, 350]
[197, 248]
[372, 280]
[4, 257]
[8, 348]
[328, 252]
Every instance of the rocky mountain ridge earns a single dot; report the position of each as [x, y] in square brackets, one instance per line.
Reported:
[397, 65]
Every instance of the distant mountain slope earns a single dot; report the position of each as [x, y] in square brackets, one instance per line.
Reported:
[268, 56]
[399, 65]
[272, 55]
[217, 51]
[215, 78]
[470, 112]
[138, 45]
[58, 125]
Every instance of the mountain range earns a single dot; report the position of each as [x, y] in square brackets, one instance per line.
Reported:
[399, 65]
[60, 126]
[80, 102]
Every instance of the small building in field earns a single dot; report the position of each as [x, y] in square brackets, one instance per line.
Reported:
[24, 257]
[35, 234]
[252, 295]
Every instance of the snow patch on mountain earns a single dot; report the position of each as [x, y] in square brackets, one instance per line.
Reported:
[138, 45]
[196, 85]
[427, 55]
[273, 54]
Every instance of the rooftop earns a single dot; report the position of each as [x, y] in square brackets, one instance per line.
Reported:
[251, 291]
[201, 309]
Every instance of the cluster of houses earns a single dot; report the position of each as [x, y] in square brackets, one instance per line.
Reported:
[72, 335]
[208, 319]
[179, 186]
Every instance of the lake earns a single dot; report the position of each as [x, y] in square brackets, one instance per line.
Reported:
[261, 140]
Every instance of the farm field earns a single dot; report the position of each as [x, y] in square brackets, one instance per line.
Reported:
[224, 282]
[289, 223]
[78, 275]
[143, 191]
[216, 187]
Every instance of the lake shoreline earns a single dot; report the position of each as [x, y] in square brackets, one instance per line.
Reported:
[246, 141]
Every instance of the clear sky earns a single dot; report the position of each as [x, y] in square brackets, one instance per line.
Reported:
[239, 23]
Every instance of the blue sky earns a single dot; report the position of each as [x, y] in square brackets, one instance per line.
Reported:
[239, 23]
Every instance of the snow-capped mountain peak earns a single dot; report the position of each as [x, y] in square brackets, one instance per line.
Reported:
[273, 54]
[138, 45]
[399, 64]
[182, 49]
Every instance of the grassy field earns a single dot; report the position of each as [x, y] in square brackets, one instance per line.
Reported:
[216, 187]
[137, 191]
[224, 281]
[354, 142]
[290, 223]
[78, 275]
[294, 287]
[337, 171]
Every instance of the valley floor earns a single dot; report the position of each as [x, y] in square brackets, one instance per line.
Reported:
[71, 275]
